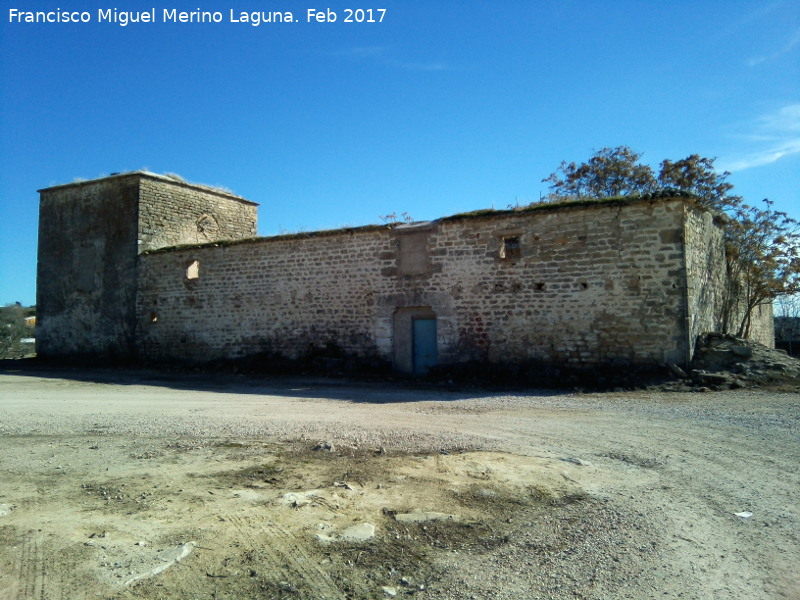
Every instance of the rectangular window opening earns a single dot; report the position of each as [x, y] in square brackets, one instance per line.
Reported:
[510, 248]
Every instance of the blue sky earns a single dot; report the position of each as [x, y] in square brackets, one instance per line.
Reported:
[444, 107]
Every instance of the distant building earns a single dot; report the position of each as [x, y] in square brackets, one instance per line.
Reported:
[787, 334]
[147, 267]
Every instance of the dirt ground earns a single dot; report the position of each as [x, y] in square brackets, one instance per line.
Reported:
[144, 485]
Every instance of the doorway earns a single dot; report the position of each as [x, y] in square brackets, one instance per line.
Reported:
[424, 344]
[414, 339]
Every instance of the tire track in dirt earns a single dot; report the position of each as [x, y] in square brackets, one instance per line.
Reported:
[44, 572]
[31, 568]
[65, 583]
[280, 548]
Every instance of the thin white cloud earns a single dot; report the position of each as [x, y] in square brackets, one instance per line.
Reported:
[415, 66]
[362, 52]
[382, 54]
[787, 119]
[789, 46]
[771, 137]
[759, 159]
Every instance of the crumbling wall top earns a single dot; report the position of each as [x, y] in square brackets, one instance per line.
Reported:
[167, 178]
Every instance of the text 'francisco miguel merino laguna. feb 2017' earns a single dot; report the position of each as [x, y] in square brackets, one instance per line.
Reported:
[173, 15]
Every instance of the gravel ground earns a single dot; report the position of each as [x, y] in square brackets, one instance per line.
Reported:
[548, 494]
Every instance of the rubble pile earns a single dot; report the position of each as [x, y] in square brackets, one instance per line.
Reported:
[723, 361]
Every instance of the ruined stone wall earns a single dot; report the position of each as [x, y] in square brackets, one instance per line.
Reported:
[762, 325]
[288, 295]
[86, 278]
[707, 281]
[631, 281]
[89, 236]
[173, 212]
[592, 284]
[584, 285]
[706, 273]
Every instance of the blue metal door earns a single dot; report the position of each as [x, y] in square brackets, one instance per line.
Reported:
[424, 334]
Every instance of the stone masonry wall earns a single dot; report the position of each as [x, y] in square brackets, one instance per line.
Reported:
[173, 212]
[90, 233]
[86, 274]
[706, 274]
[762, 325]
[584, 284]
[593, 284]
[287, 296]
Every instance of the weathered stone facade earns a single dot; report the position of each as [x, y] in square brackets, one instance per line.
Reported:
[629, 282]
[90, 237]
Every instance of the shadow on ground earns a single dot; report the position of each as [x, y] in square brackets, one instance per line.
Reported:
[385, 390]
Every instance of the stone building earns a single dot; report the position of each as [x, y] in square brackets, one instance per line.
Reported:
[147, 267]
[91, 236]
[787, 334]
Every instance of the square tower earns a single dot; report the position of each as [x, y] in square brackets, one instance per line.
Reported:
[90, 236]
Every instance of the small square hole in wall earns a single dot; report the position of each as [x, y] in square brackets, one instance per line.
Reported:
[510, 248]
[193, 270]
